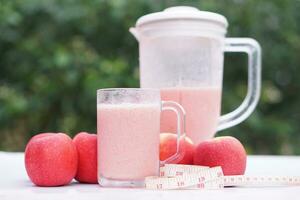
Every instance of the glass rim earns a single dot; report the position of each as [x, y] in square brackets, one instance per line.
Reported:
[126, 89]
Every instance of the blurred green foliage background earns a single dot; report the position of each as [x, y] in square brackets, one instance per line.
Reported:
[54, 55]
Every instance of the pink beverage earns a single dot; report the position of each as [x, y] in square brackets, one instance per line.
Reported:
[202, 106]
[129, 140]
[128, 123]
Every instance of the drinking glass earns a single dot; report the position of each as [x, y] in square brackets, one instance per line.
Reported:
[128, 128]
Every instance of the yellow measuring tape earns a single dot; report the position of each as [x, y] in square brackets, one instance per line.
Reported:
[174, 176]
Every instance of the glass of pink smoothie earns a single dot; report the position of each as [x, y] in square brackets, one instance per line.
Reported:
[128, 128]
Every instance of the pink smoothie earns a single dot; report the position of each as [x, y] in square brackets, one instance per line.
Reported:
[202, 106]
[128, 141]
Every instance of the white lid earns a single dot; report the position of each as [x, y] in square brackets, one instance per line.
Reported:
[183, 12]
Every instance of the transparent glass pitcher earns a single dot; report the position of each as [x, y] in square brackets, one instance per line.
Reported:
[181, 51]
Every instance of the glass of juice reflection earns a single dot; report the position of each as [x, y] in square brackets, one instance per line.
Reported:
[128, 128]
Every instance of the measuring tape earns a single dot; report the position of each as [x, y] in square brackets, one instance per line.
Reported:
[176, 177]
[173, 176]
[242, 180]
[171, 170]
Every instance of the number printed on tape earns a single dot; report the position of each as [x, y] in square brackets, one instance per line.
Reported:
[171, 170]
[174, 176]
[202, 178]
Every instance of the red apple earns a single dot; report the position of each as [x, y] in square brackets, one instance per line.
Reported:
[51, 159]
[168, 143]
[86, 145]
[227, 152]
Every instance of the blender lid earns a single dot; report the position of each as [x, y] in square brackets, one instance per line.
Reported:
[182, 12]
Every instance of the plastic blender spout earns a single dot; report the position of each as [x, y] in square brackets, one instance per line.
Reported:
[135, 33]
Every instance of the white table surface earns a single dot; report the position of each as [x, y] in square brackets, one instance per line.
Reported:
[14, 184]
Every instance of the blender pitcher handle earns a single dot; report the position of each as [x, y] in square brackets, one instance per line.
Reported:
[253, 50]
[180, 113]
